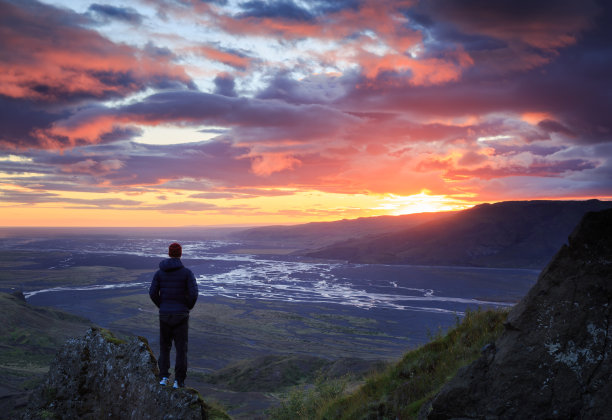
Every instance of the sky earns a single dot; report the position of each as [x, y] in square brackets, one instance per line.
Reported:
[232, 112]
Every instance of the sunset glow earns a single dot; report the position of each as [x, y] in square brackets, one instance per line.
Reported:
[173, 113]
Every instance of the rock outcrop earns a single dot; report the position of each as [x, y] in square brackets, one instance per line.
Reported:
[99, 376]
[554, 359]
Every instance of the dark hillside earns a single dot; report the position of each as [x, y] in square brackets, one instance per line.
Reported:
[509, 234]
[29, 338]
[401, 389]
[554, 358]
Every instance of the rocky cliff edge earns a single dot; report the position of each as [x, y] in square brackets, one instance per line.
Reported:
[554, 359]
[100, 376]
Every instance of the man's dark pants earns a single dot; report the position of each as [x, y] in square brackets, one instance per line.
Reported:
[173, 327]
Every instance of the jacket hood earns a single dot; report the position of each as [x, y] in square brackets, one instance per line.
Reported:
[170, 264]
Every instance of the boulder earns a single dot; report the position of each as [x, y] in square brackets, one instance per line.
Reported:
[100, 376]
[554, 359]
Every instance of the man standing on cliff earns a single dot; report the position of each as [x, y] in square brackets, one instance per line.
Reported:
[174, 291]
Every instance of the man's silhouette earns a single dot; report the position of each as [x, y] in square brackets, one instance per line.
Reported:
[174, 291]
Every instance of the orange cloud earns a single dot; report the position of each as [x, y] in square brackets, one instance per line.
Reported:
[268, 163]
[534, 118]
[422, 72]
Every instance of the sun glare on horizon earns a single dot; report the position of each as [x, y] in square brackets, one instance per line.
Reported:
[422, 202]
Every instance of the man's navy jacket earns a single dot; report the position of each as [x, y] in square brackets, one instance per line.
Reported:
[174, 289]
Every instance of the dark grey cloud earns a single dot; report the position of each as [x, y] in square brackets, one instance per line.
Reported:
[19, 118]
[252, 120]
[552, 126]
[216, 162]
[105, 12]
[225, 85]
[276, 9]
[308, 90]
[532, 22]
[539, 168]
[575, 88]
[154, 51]
[333, 6]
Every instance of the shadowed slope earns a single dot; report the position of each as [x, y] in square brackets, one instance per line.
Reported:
[522, 234]
[554, 359]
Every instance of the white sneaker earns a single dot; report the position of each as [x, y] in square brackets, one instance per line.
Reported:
[164, 381]
[177, 385]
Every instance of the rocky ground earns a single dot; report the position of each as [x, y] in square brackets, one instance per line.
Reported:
[101, 376]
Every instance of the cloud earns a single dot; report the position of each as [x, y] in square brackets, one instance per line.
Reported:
[254, 120]
[283, 9]
[242, 193]
[546, 25]
[228, 57]
[27, 197]
[185, 207]
[471, 158]
[48, 55]
[105, 13]
[225, 86]
[266, 164]
[50, 61]
[552, 126]
[538, 168]
[508, 36]
[375, 35]
[357, 97]
[93, 167]
[18, 117]
[315, 89]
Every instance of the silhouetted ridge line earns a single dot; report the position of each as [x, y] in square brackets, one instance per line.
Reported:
[521, 234]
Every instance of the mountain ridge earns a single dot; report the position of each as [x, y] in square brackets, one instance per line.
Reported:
[317, 234]
[519, 234]
[29, 338]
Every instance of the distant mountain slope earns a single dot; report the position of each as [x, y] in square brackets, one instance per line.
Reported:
[29, 338]
[31, 334]
[507, 234]
[317, 234]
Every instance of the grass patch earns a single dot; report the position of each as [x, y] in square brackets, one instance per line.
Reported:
[211, 410]
[400, 390]
[308, 401]
[110, 337]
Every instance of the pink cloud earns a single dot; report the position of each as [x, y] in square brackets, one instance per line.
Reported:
[46, 56]
[268, 163]
[231, 59]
